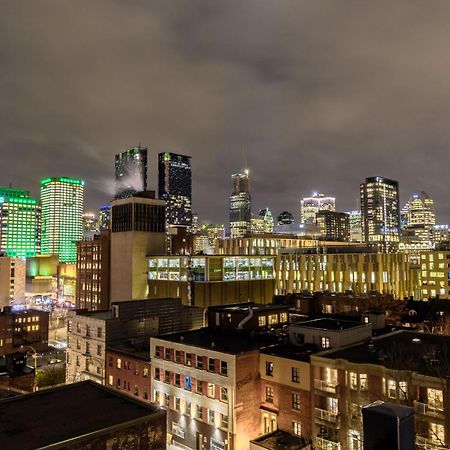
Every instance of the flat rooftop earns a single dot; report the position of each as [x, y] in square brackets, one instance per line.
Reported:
[246, 307]
[281, 440]
[232, 342]
[427, 354]
[47, 417]
[102, 314]
[290, 351]
[136, 348]
[327, 323]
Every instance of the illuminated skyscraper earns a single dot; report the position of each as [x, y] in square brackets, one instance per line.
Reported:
[419, 210]
[175, 187]
[240, 206]
[262, 223]
[20, 222]
[381, 212]
[285, 218]
[131, 172]
[104, 218]
[310, 206]
[355, 219]
[62, 209]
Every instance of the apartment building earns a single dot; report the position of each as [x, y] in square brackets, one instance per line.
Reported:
[435, 274]
[403, 367]
[208, 381]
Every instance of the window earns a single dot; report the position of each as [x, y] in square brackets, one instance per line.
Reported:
[145, 372]
[177, 356]
[99, 350]
[262, 321]
[224, 421]
[325, 342]
[99, 332]
[136, 390]
[145, 395]
[199, 362]
[353, 380]
[269, 368]
[156, 396]
[223, 368]
[437, 433]
[297, 428]
[177, 380]
[188, 383]
[273, 319]
[118, 383]
[199, 412]
[295, 374]
[188, 359]
[119, 363]
[199, 387]
[402, 390]
[392, 389]
[211, 417]
[283, 317]
[88, 331]
[157, 373]
[211, 365]
[269, 394]
[295, 401]
[363, 381]
[78, 344]
[223, 394]
[166, 376]
[158, 351]
[78, 360]
[136, 369]
[211, 390]
[167, 400]
[177, 404]
[111, 380]
[187, 408]
[435, 399]
[167, 353]
[78, 327]
[88, 348]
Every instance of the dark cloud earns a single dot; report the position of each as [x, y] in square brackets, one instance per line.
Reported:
[319, 94]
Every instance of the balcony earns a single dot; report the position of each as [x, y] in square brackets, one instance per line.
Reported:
[322, 415]
[324, 444]
[428, 410]
[326, 386]
[423, 443]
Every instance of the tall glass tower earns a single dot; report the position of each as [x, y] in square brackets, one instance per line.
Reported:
[62, 210]
[175, 187]
[20, 223]
[240, 205]
[381, 212]
[131, 172]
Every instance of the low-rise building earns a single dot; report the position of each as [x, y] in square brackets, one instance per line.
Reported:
[12, 281]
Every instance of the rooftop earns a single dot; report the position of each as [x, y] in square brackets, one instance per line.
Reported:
[329, 324]
[281, 440]
[137, 348]
[427, 354]
[230, 341]
[246, 307]
[289, 351]
[47, 417]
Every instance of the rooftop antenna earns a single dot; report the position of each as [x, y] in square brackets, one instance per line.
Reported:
[244, 156]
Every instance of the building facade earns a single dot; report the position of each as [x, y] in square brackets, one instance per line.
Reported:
[20, 224]
[310, 206]
[355, 221]
[240, 205]
[334, 226]
[381, 213]
[175, 188]
[62, 209]
[12, 281]
[131, 172]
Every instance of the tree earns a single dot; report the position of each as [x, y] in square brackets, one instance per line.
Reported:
[51, 376]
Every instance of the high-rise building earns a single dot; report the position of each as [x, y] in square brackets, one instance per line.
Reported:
[240, 205]
[310, 206]
[20, 223]
[62, 201]
[175, 188]
[419, 210]
[381, 212]
[131, 172]
[334, 226]
[285, 218]
[263, 223]
[355, 219]
[104, 218]
[90, 225]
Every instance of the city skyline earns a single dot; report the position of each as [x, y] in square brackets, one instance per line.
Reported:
[296, 94]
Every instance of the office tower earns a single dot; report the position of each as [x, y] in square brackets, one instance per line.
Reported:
[137, 230]
[175, 188]
[381, 212]
[355, 219]
[62, 201]
[285, 218]
[310, 206]
[104, 218]
[263, 223]
[90, 225]
[419, 210]
[240, 205]
[333, 226]
[131, 172]
[20, 223]
[194, 227]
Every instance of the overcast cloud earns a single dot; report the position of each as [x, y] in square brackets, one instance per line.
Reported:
[320, 94]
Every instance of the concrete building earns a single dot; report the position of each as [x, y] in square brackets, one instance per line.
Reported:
[82, 412]
[93, 272]
[310, 206]
[137, 230]
[334, 226]
[12, 281]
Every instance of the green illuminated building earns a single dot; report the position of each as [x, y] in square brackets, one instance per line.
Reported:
[62, 211]
[19, 223]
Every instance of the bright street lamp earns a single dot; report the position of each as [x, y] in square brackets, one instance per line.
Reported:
[35, 363]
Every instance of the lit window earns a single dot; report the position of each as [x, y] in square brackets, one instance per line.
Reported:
[325, 342]
[295, 401]
[211, 390]
[295, 374]
[269, 394]
[269, 368]
[211, 417]
[119, 363]
[297, 428]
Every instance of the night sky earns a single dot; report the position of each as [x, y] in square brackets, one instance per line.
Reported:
[320, 94]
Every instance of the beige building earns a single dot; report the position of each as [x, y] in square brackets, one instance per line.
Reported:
[361, 272]
[12, 281]
[435, 274]
[137, 230]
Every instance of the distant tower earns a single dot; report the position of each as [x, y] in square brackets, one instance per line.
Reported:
[62, 210]
[175, 187]
[131, 172]
[419, 210]
[310, 206]
[240, 205]
[285, 218]
[381, 212]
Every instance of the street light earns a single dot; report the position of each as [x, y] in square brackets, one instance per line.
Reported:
[35, 363]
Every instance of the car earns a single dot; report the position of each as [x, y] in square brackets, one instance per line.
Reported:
[55, 361]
